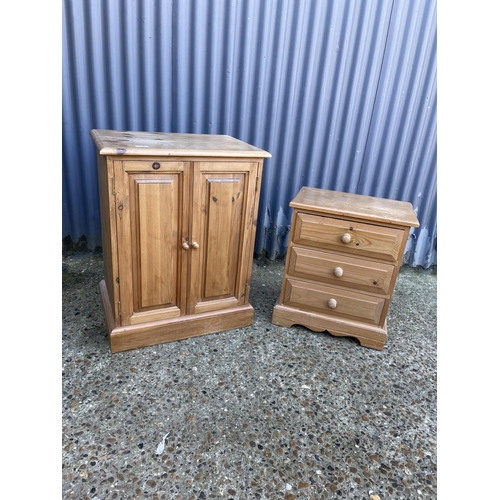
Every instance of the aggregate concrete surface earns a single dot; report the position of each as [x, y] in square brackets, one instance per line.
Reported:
[262, 412]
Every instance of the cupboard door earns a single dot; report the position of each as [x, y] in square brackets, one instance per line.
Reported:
[152, 224]
[221, 234]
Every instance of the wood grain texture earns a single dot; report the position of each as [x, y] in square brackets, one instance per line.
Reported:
[114, 142]
[356, 206]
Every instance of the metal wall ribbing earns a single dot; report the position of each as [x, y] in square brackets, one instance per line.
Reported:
[341, 93]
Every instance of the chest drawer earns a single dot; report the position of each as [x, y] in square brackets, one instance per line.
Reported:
[341, 270]
[356, 238]
[333, 301]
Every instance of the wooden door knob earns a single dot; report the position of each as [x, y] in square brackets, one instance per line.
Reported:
[195, 245]
[185, 245]
[332, 303]
[346, 238]
[338, 271]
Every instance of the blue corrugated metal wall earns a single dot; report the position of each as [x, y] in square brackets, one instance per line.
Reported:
[342, 93]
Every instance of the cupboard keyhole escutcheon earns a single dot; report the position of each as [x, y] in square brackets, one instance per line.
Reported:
[332, 303]
[346, 238]
[338, 272]
[155, 165]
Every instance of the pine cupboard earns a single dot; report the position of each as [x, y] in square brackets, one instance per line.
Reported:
[178, 219]
[342, 262]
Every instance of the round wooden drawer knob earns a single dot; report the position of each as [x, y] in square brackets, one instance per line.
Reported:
[346, 238]
[338, 271]
[332, 303]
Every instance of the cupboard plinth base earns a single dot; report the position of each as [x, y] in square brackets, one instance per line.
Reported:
[368, 336]
[124, 338]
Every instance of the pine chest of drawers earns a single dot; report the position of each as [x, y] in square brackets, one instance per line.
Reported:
[342, 262]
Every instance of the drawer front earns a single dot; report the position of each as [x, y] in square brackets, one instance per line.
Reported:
[341, 270]
[333, 301]
[346, 236]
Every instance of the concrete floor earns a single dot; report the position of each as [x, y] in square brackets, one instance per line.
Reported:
[262, 412]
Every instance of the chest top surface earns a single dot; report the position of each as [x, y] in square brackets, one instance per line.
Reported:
[114, 142]
[362, 207]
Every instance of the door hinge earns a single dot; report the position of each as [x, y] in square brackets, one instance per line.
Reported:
[247, 290]
[119, 308]
[257, 184]
[113, 187]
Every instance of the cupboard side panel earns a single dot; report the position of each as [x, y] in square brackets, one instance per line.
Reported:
[250, 221]
[108, 228]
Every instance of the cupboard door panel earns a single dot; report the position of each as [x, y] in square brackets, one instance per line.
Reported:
[150, 207]
[157, 218]
[220, 195]
[222, 224]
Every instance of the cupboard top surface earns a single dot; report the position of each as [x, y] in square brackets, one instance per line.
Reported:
[370, 208]
[114, 142]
